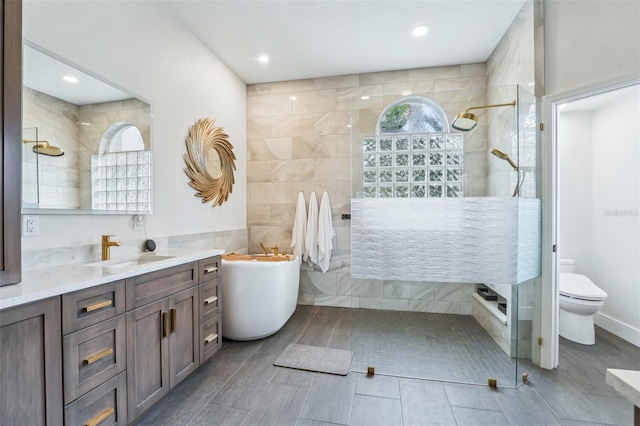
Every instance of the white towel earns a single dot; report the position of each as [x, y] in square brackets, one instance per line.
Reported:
[311, 238]
[299, 228]
[325, 233]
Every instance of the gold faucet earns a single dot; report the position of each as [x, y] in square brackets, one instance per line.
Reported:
[106, 245]
[275, 250]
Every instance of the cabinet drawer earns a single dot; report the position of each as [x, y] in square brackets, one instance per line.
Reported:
[210, 338]
[105, 405]
[147, 288]
[93, 355]
[86, 307]
[208, 269]
[210, 300]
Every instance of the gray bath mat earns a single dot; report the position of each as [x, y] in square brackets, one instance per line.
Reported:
[315, 358]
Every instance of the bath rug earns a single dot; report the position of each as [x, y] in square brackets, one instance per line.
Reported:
[315, 358]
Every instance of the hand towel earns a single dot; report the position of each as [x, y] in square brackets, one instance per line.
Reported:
[311, 237]
[299, 228]
[325, 233]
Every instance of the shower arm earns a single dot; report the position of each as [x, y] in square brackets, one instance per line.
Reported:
[491, 106]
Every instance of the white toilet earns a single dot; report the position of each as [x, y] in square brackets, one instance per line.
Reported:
[580, 299]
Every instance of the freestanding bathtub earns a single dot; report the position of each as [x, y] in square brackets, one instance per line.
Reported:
[258, 297]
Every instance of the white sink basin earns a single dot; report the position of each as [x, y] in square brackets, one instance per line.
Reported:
[128, 262]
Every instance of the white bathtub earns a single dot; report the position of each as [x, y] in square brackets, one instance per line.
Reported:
[258, 297]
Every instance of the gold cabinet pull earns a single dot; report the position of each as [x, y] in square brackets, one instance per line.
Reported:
[97, 357]
[211, 269]
[97, 306]
[100, 417]
[210, 338]
[174, 321]
[211, 299]
[165, 324]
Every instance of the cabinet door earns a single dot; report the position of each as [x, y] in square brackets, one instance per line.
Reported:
[184, 353]
[31, 364]
[11, 150]
[148, 329]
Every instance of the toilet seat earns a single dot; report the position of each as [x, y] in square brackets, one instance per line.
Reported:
[577, 286]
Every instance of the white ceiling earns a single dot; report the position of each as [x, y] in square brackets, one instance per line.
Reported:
[306, 39]
[44, 73]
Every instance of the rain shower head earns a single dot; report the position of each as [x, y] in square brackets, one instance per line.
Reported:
[45, 148]
[501, 155]
[466, 120]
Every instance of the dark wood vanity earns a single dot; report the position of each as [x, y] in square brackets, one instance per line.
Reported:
[107, 353]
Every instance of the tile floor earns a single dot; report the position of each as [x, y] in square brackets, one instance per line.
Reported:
[240, 386]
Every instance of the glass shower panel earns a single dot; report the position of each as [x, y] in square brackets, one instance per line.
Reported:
[443, 258]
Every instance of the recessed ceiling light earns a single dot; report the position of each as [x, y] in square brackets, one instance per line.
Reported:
[349, 125]
[533, 83]
[70, 79]
[263, 59]
[293, 98]
[406, 92]
[420, 30]
[365, 97]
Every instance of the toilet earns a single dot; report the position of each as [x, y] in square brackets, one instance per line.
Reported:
[580, 299]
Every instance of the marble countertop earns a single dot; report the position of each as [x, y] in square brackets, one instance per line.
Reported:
[626, 382]
[54, 281]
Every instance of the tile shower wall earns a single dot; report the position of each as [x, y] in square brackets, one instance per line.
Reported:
[299, 139]
[56, 122]
[65, 181]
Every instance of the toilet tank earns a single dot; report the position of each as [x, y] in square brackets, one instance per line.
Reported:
[567, 265]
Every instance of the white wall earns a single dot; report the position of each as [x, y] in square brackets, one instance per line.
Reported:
[575, 171]
[141, 47]
[588, 41]
[616, 237]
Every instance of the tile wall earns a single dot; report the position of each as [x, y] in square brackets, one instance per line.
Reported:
[300, 135]
[65, 181]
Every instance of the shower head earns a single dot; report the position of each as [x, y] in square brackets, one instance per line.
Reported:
[466, 120]
[501, 155]
[45, 148]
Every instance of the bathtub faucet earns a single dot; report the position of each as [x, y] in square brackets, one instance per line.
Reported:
[264, 250]
[275, 250]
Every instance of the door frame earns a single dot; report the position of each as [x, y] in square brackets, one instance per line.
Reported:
[549, 151]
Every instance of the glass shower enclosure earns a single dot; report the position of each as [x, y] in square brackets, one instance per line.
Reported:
[445, 237]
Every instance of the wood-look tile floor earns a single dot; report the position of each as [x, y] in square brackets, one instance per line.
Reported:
[240, 386]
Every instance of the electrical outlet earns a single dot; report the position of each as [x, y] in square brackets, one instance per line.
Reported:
[139, 222]
[30, 226]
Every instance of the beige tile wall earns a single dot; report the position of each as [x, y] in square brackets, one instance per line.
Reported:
[300, 135]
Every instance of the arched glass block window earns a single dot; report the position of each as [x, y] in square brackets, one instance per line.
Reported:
[412, 114]
[413, 154]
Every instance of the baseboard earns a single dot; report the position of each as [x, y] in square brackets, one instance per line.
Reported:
[620, 329]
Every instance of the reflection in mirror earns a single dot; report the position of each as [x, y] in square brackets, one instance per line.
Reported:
[86, 118]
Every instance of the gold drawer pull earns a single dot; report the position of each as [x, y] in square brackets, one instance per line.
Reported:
[98, 356]
[210, 338]
[212, 269]
[97, 306]
[100, 417]
[165, 324]
[211, 299]
[174, 320]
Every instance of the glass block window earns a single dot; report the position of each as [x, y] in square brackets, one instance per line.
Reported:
[413, 165]
[122, 181]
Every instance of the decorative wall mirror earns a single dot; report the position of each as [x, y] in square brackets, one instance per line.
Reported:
[210, 162]
[87, 143]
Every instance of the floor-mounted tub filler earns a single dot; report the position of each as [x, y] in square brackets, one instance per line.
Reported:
[259, 294]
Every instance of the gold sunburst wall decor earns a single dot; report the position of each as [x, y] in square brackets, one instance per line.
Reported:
[210, 161]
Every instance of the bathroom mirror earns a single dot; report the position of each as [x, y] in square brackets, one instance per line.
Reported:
[87, 143]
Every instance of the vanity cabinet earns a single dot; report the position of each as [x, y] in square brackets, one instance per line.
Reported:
[210, 307]
[31, 364]
[162, 333]
[94, 355]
